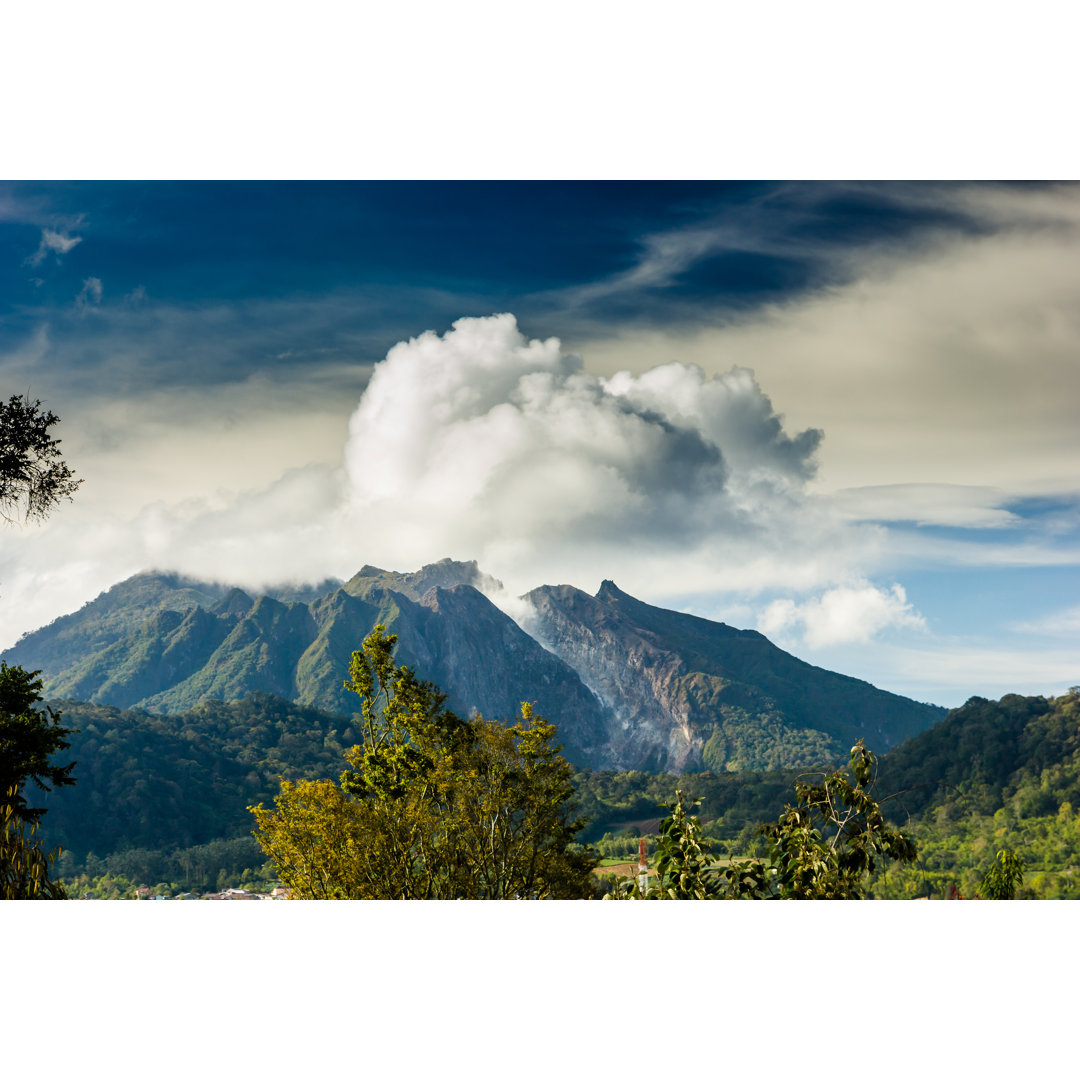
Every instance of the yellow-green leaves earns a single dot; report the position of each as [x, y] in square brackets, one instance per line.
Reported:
[431, 805]
[24, 866]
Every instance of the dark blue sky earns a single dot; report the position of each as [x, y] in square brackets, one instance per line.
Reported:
[343, 270]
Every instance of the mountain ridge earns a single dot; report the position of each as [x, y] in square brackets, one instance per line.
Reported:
[630, 685]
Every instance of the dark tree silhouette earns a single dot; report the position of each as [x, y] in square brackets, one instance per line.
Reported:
[33, 475]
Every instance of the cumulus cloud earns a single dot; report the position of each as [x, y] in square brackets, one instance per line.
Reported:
[59, 243]
[482, 441]
[842, 615]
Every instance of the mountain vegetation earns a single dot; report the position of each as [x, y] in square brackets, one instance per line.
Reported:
[723, 698]
[995, 785]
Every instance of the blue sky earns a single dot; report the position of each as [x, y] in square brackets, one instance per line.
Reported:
[840, 413]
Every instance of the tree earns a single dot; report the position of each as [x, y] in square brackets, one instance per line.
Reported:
[802, 864]
[512, 814]
[825, 846]
[684, 869]
[431, 805]
[33, 475]
[1005, 876]
[24, 866]
[29, 736]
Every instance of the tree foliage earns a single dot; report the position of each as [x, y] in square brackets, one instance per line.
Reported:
[24, 866]
[33, 475]
[823, 848]
[30, 733]
[1005, 876]
[431, 806]
[684, 869]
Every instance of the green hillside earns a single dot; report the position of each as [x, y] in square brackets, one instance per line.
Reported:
[156, 794]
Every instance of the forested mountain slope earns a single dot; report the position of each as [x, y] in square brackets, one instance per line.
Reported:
[167, 644]
[156, 782]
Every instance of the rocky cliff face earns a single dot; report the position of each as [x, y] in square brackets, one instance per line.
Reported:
[635, 677]
[629, 685]
[688, 693]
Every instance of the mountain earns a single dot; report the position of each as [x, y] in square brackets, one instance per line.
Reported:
[167, 644]
[630, 686]
[691, 692]
[987, 753]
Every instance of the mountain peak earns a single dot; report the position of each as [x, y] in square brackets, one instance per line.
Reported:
[446, 573]
[235, 602]
[609, 591]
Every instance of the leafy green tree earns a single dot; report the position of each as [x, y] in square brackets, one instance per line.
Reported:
[825, 846]
[511, 808]
[684, 869]
[33, 475]
[431, 806]
[24, 866]
[1004, 877]
[30, 733]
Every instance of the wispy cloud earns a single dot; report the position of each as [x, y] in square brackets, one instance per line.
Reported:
[1055, 623]
[90, 294]
[957, 505]
[58, 243]
[785, 224]
[950, 671]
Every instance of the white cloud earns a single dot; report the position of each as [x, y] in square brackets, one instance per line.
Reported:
[954, 670]
[958, 505]
[841, 615]
[481, 442]
[59, 243]
[1054, 623]
[285, 533]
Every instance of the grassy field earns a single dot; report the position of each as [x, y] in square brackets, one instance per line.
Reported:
[623, 868]
[619, 867]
